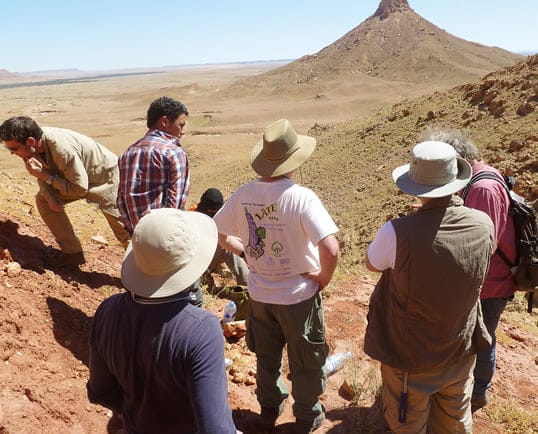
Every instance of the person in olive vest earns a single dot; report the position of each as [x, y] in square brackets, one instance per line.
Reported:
[425, 323]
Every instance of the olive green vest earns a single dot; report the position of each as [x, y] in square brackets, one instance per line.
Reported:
[425, 313]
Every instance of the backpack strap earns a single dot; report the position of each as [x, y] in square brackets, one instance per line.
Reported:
[485, 175]
[493, 176]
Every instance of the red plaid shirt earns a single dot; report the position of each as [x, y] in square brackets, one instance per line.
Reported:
[154, 173]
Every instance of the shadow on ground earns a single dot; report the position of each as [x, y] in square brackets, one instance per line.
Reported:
[71, 328]
[30, 252]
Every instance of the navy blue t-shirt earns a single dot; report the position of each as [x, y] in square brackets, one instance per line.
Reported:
[161, 366]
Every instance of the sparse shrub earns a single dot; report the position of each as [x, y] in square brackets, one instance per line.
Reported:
[514, 419]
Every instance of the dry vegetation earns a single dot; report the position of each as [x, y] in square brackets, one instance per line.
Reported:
[366, 118]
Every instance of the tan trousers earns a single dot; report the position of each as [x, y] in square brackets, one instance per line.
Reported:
[62, 229]
[439, 401]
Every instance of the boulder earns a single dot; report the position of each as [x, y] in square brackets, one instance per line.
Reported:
[525, 109]
[13, 269]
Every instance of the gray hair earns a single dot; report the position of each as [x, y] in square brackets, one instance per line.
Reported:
[459, 140]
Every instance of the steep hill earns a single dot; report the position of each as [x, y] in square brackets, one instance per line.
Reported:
[397, 44]
[353, 163]
[6, 76]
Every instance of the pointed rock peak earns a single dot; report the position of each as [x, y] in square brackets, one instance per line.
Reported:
[386, 7]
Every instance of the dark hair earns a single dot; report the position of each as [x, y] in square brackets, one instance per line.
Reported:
[210, 202]
[19, 128]
[165, 106]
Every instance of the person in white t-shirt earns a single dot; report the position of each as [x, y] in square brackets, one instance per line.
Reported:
[287, 238]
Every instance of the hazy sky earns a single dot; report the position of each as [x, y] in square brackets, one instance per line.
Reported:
[112, 34]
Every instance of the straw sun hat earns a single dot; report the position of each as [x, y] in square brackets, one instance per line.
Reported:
[169, 250]
[435, 171]
[281, 150]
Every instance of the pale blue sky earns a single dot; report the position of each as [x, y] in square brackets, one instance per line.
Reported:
[113, 34]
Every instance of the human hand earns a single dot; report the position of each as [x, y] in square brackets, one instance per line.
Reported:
[55, 204]
[36, 168]
[317, 276]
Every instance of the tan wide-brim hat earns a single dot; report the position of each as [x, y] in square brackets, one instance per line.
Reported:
[169, 250]
[281, 150]
[435, 171]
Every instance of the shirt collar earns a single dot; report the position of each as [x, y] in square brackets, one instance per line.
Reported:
[161, 133]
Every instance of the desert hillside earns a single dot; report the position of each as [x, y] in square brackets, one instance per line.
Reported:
[394, 43]
[46, 313]
[354, 161]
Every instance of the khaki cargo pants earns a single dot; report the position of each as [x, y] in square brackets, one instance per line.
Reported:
[62, 229]
[439, 401]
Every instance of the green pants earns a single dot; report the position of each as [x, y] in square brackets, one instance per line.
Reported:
[300, 326]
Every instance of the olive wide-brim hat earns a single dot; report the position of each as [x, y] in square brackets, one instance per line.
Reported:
[169, 250]
[281, 150]
[435, 171]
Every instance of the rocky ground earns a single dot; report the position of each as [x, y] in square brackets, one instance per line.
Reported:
[45, 313]
[45, 317]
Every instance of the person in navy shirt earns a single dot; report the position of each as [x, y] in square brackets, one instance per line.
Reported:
[155, 359]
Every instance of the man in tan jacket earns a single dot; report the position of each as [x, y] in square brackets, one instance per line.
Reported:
[68, 166]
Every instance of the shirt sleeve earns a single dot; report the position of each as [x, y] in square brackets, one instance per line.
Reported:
[317, 221]
[494, 203]
[102, 386]
[72, 180]
[382, 250]
[176, 195]
[225, 218]
[208, 389]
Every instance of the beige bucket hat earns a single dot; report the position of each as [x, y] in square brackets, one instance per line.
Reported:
[435, 171]
[281, 150]
[169, 250]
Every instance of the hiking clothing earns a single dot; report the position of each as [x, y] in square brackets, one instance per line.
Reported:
[237, 265]
[81, 168]
[490, 196]
[280, 224]
[492, 308]
[159, 365]
[438, 400]
[299, 326]
[153, 174]
[424, 313]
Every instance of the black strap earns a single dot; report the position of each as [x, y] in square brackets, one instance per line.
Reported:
[490, 175]
[485, 175]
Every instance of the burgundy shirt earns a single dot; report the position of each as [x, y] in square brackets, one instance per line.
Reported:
[490, 196]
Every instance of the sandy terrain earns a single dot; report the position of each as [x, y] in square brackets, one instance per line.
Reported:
[45, 313]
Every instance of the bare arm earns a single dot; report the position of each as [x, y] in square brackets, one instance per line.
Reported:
[231, 243]
[329, 250]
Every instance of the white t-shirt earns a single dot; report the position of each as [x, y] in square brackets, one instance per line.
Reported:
[280, 224]
[382, 251]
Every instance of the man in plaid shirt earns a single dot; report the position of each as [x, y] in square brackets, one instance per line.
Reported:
[154, 172]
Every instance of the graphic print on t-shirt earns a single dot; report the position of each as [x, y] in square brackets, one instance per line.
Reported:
[256, 234]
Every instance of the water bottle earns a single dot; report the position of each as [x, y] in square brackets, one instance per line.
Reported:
[229, 312]
[335, 362]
